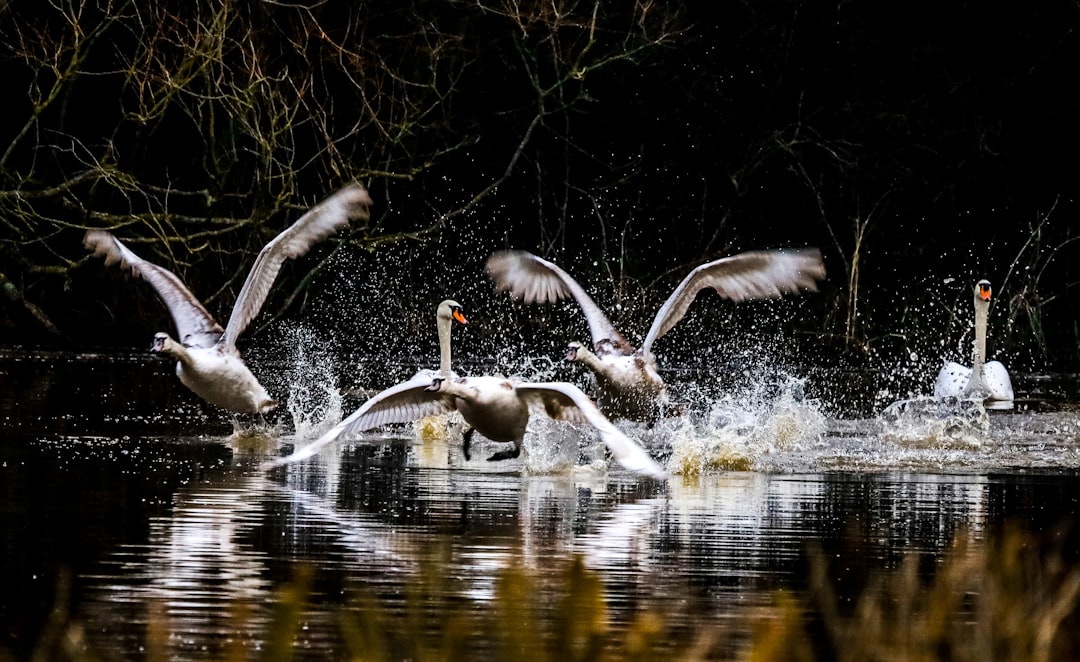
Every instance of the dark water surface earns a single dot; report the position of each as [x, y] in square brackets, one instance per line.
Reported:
[163, 522]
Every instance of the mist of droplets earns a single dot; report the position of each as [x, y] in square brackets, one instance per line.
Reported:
[314, 400]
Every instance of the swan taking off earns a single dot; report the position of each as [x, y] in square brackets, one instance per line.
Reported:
[208, 362]
[627, 379]
[446, 313]
[987, 380]
[496, 407]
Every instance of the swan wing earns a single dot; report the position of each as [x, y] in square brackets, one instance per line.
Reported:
[564, 401]
[405, 402]
[535, 280]
[321, 221]
[997, 381]
[195, 327]
[750, 275]
[951, 380]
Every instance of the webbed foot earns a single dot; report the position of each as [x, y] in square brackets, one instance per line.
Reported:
[506, 455]
[466, 439]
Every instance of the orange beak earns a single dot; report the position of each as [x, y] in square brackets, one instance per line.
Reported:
[459, 317]
[984, 292]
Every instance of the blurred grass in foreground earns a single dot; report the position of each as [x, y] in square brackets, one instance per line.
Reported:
[1013, 597]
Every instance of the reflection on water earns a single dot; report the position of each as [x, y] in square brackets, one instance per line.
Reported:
[180, 533]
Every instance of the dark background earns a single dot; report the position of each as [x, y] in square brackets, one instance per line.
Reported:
[920, 145]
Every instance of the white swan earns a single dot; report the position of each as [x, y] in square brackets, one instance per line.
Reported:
[496, 407]
[988, 380]
[627, 379]
[208, 362]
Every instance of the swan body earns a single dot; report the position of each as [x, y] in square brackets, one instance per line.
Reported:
[207, 361]
[628, 382]
[498, 408]
[217, 376]
[987, 380]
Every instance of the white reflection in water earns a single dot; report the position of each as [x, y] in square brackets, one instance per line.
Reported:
[201, 545]
[371, 514]
[376, 511]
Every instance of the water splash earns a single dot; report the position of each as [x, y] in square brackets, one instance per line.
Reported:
[928, 422]
[556, 448]
[741, 428]
[254, 440]
[314, 397]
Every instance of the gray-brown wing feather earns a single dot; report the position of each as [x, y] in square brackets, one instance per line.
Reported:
[570, 403]
[195, 327]
[321, 221]
[751, 275]
[556, 404]
[406, 402]
[402, 403]
[535, 280]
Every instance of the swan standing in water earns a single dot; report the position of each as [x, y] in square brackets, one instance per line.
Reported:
[987, 380]
[627, 380]
[496, 407]
[208, 362]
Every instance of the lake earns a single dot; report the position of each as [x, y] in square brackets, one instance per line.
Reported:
[137, 525]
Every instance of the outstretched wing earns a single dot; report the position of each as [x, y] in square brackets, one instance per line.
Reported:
[535, 280]
[751, 275]
[322, 220]
[402, 403]
[564, 401]
[195, 327]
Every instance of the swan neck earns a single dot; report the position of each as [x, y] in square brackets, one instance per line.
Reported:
[588, 358]
[177, 351]
[979, 353]
[444, 346]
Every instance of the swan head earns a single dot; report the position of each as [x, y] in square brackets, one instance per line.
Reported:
[451, 310]
[436, 384]
[982, 291]
[162, 342]
[572, 349]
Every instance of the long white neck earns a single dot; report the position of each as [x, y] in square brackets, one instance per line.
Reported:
[444, 324]
[978, 357]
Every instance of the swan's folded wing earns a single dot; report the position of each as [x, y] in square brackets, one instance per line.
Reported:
[952, 380]
[321, 221]
[402, 403]
[751, 275]
[998, 383]
[195, 327]
[535, 280]
[564, 401]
